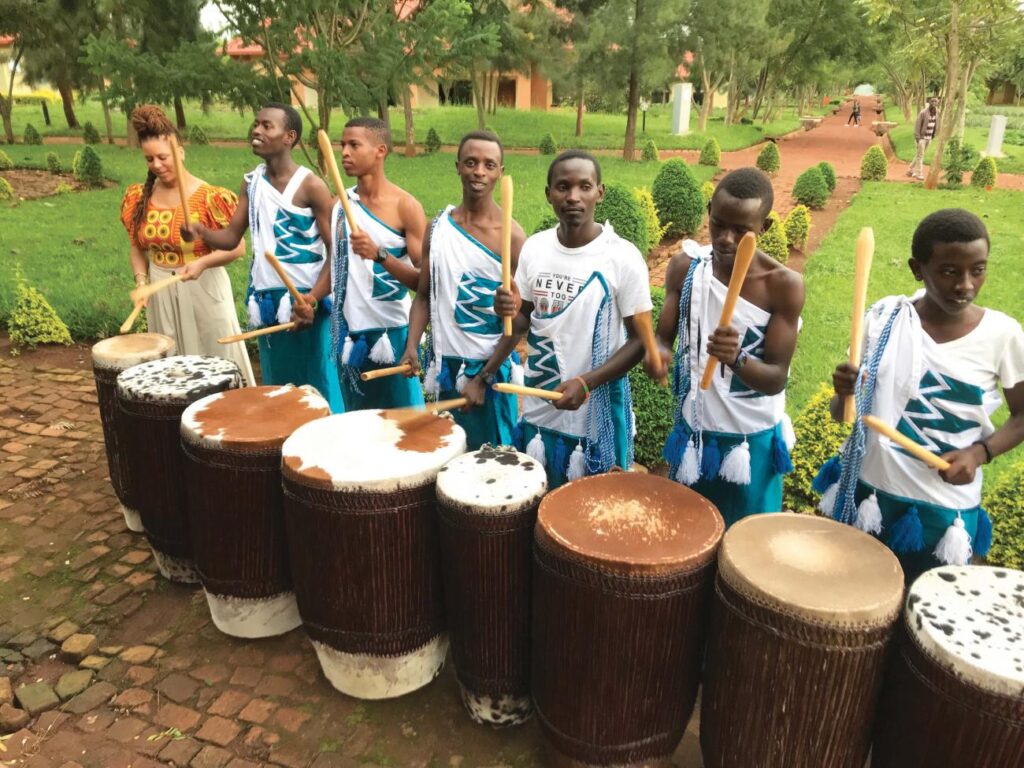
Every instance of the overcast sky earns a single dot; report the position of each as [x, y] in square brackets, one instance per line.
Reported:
[211, 18]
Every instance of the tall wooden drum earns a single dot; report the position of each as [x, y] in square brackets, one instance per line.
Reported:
[109, 358]
[151, 398]
[361, 516]
[232, 442]
[623, 567]
[954, 695]
[804, 610]
[488, 507]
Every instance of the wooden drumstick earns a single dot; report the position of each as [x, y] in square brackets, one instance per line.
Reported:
[906, 443]
[298, 297]
[258, 332]
[744, 256]
[179, 171]
[332, 168]
[380, 373]
[506, 243]
[515, 389]
[145, 291]
[645, 325]
[862, 271]
[127, 324]
[412, 418]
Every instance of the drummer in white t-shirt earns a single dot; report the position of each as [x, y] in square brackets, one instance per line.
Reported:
[576, 290]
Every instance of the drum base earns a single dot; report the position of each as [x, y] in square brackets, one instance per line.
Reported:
[177, 569]
[365, 676]
[132, 519]
[555, 759]
[499, 711]
[254, 618]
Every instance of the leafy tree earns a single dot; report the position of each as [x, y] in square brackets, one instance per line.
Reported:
[27, 25]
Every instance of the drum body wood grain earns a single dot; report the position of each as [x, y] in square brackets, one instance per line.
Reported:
[623, 565]
[109, 358]
[803, 615]
[361, 517]
[232, 444]
[488, 507]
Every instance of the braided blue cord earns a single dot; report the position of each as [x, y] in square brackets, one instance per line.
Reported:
[681, 362]
[429, 352]
[339, 326]
[253, 228]
[845, 508]
[601, 450]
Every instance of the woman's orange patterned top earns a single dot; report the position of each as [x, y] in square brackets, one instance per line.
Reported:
[160, 231]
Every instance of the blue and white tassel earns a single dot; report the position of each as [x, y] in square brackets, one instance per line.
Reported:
[736, 465]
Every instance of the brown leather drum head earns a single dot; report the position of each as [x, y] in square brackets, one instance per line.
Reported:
[812, 568]
[631, 523]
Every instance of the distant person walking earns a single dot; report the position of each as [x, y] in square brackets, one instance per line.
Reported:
[854, 114]
[924, 131]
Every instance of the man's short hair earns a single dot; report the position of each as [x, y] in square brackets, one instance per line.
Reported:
[949, 225]
[749, 184]
[480, 136]
[574, 154]
[292, 120]
[374, 125]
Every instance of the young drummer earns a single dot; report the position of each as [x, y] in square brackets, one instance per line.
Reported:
[933, 366]
[459, 272]
[729, 443]
[580, 286]
[287, 208]
[373, 271]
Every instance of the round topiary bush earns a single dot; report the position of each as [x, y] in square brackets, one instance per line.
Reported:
[33, 321]
[653, 405]
[984, 174]
[90, 134]
[773, 241]
[798, 226]
[711, 154]
[196, 135]
[89, 169]
[649, 151]
[623, 211]
[6, 190]
[1005, 506]
[5, 161]
[645, 200]
[810, 188]
[707, 189]
[829, 173]
[818, 438]
[548, 145]
[768, 159]
[874, 166]
[32, 135]
[52, 162]
[433, 142]
[678, 198]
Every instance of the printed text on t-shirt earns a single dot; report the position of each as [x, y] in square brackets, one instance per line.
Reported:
[553, 293]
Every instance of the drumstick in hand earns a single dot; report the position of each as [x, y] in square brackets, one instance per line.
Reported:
[862, 271]
[740, 265]
[298, 297]
[258, 332]
[145, 291]
[332, 168]
[645, 325]
[506, 243]
[380, 373]
[906, 443]
[179, 171]
[127, 324]
[516, 389]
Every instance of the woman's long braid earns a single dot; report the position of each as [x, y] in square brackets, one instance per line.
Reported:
[139, 214]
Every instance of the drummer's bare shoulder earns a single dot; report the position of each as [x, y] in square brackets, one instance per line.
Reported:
[785, 288]
[676, 271]
[314, 193]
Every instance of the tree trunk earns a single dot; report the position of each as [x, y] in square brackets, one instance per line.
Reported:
[67, 99]
[705, 109]
[132, 136]
[478, 99]
[410, 132]
[579, 108]
[961, 106]
[629, 146]
[759, 92]
[5, 114]
[951, 87]
[179, 114]
[494, 92]
[107, 122]
[383, 112]
[730, 107]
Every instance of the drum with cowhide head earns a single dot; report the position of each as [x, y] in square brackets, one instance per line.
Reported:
[232, 442]
[151, 398]
[802, 620]
[623, 567]
[361, 517]
[488, 506]
[109, 358]
[954, 695]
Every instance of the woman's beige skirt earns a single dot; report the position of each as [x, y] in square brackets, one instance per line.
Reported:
[196, 313]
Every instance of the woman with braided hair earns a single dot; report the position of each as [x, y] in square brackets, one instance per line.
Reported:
[200, 309]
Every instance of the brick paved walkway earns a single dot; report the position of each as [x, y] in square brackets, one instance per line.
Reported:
[109, 666]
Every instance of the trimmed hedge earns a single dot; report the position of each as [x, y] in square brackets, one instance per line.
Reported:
[811, 189]
[52, 162]
[89, 168]
[653, 404]
[90, 134]
[768, 159]
[621, 208]
[958, 160]
[774, 241]
[650, 212]
[818, 438]
[798, 226]
[433, 142]
[548, 145]
[6, 190]
[1005, 505]
[984, 174]
[32, 135]
[711, 154]
[5, 161]
[548, 221]
[33, 320]
[196, 135]
[678, 198]
[649, 152]
[874, 166]
[829, 172]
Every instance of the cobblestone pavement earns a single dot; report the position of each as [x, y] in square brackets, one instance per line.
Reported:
[103, 664]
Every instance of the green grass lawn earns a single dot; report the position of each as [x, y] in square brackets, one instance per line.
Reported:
[74, 248]
[516, 128]
[894, 210]
[903, 141]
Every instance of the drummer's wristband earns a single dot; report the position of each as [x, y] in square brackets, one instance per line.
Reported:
[586, 389]
[988, 451]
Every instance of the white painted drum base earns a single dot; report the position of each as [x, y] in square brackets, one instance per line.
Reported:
[501, 711]
[254, 618]
[177, 569]
[365, 676]
[132, 519]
